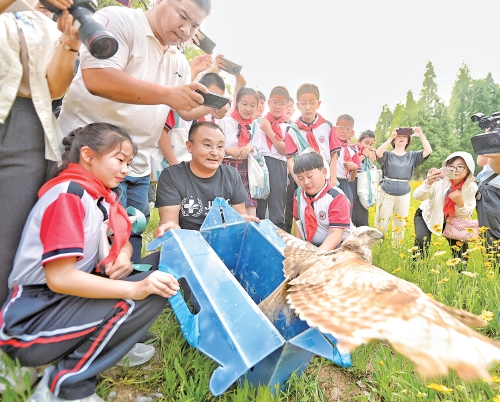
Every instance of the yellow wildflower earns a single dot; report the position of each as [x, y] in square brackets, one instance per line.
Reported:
[396, 270]
[453, 262]
[396, 229]
[483, 229]
[435, 271]
[496, 398]
[404, 391]
[437, 227]
[397, 216]
[459, 243]
[448, 271]
[381, 363]
[486, 315]
[469, 274]
[430, 295]
[422, 394]
[417, 255]
[444, 280]
[487, 264]
[439, 253]
[411, 250]
[440, 388]
[401, 255]
[489, 274]
[494, 378]
[455, 247]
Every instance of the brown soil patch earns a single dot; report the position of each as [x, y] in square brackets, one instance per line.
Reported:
[338, 384]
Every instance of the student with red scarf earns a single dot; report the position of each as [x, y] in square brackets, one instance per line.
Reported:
[444, 198]
[269, 139]
[237, 130]
[65, 303]
[322, 213]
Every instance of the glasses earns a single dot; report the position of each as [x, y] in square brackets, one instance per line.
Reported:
[344, 128]
[209, 147]
[309, 103]
[280, 104]
[459, 168]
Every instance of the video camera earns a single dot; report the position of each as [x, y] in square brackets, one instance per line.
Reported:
[487, 142]
[100, 43]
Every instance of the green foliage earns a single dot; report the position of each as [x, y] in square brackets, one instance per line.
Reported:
[143, 4]
[448, 128]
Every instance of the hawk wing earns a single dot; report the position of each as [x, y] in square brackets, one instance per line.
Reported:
[357, 302]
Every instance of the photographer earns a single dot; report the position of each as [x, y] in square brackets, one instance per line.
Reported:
[136, 87]
[488, 197]
[35, 67]
[446, 193]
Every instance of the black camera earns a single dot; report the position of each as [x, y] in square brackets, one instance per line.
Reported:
[487, 142]
[100, 43]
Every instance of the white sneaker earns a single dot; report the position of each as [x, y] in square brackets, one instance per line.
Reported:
[139, 354]
[43, 394]
[15, 376]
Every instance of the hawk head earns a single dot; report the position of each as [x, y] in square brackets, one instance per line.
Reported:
[361, 240]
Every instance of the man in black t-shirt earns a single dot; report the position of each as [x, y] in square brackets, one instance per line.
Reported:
[186, 191]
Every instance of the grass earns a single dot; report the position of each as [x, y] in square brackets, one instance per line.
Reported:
[181, 373]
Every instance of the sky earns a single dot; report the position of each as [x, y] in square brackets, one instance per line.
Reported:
[362, 54]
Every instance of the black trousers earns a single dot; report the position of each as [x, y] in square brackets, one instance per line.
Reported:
[275, 203]
[87, 336]
[359, 214]
[290, 193]
[423, 237]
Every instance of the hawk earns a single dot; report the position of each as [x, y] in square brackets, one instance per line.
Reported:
[357, 302]
[303, 255]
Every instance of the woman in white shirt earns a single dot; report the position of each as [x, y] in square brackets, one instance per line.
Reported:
[444, 198]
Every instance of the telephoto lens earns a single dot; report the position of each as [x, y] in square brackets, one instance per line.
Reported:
[100, 43]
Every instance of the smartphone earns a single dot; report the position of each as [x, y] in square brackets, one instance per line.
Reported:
[448, 173]
[213, 100]
[204, 42]
[404, 131]
[231, 68]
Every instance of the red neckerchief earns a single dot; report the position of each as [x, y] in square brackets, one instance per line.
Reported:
[311, 140]
[311, 223]
[243, 128]
[449, 204]
[275, 125]
[347, 155]
[118, 218]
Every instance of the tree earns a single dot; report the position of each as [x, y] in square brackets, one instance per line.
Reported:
[383, 126]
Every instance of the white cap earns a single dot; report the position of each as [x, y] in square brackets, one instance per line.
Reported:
[22, 5]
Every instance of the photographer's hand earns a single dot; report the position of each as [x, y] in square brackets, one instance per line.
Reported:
[199, 64]
[62, 4]
[69, 32]
[433, 175]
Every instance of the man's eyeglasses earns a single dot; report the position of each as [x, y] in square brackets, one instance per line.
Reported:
[209, 147]
[309, 103]
[459, 168]
[280, 104]
[344, 128]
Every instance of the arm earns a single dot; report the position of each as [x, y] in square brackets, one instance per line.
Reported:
[423, 191]
[118, 86]
[296, 231]
[239, 152]
[63, 277]
[290, 162]
[166, 148]
[427, 147]
[266, 127]
[333, 168]
[333, 239]
[199, 64]
[60, 70]
[241, 209]
[169, 219]
[468, 204]
[381, 149]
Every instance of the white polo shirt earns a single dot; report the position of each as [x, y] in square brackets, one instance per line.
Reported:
[142, 56]
[259, 141]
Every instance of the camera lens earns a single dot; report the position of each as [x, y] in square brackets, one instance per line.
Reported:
[102, 46]
[235, 70]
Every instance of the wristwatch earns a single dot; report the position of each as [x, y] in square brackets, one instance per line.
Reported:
[65, 46]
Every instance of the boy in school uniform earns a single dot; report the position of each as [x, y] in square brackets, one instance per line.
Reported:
[311, 130]
[348, 161]
[322, 212]
[262, 105]
[268, 136]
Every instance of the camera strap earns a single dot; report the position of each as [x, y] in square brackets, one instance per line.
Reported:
[483, 183]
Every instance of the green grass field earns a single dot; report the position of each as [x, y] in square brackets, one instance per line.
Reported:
[180, 373]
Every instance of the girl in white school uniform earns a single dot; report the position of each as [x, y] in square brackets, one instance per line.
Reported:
[237, 130]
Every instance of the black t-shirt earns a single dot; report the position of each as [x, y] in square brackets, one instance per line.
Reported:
[178, 185]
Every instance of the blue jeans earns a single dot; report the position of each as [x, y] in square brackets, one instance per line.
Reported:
[133, 192]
